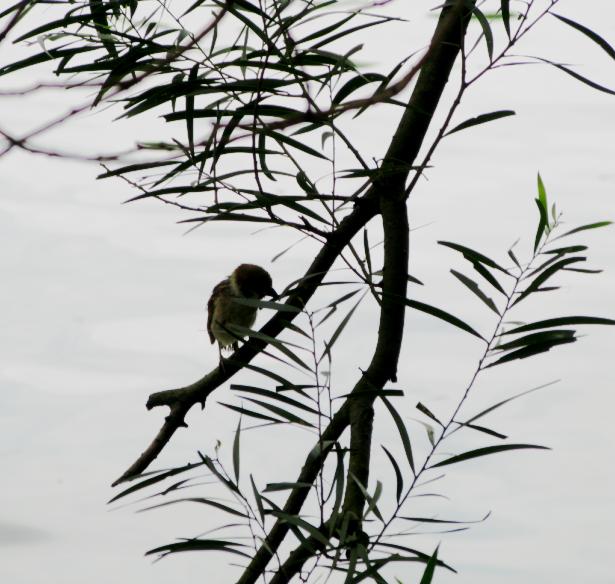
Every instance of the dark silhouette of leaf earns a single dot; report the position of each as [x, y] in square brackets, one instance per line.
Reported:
[286, 486]
[588, 33]
[545, 275]
[481, 119]
[475, 288]
[531, 350]
[202, 501]
[192, 545]
[403, 433]
[505, 7]
[158, 476]
[236, 453]
[274, 395]
[356, 83]
[485, 451]
[425, 410]
[430, 568]
[441, 314]
[473, 256]
[562, 321]
[258, 499]
[399, 479]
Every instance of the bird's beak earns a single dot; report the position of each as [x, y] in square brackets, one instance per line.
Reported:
[274, 295]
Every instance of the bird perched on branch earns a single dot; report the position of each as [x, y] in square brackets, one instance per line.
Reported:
[225, 309]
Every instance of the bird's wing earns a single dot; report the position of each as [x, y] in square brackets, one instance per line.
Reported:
[219, 289]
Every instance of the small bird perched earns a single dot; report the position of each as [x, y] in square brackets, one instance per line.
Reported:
[246, 281]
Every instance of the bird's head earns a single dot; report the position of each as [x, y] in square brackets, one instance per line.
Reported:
[252, 282]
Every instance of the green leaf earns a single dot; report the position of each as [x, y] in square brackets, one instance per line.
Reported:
[236, 466]
[484, 23]
[441, 314]
[588, 33]
[430, 568]
[485, 451]
[473, 256]
[562, 321]
[542, 195]
[585, 228]
[542, 224]
[483, 118]
[403, 433]
[399, 479]
[474, 287]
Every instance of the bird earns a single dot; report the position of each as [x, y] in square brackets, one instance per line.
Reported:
[247, 281]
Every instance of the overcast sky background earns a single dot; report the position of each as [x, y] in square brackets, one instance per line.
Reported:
[104, 303]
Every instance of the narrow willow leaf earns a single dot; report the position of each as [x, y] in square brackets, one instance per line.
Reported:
[340, 328]
[258, 499]
[159, 476]
[485, 273]
[475, 288]
[430, 568]
[251, 413]
[543, 222]
[531, 350]
[301, 523]
[371, 500]
[565, 250]
[191, 545]
[505, 7]
[280, 412]
[482, 429]
[545, 275]
[473, 256]
[579, 77]
[484, 23]
[542, 194]
[532, 338]
[236, 445]
[505, 401]
[445, 316]
[513, 257]
[190, 109]
[588, 33]
[482, 119]
[425, 410]
[403, 433]
[434, 520]
[274, 395]
[200, 500]
[485, 451]
[354, 84]
[209, 463]
[306, 185]
[421, 555]
[562, 321]
[286, 486]
[585, 228]
[399, 479]
[283, 139]
[262, 157]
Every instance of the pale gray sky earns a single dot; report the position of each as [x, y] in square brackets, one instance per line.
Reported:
[104, 303]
